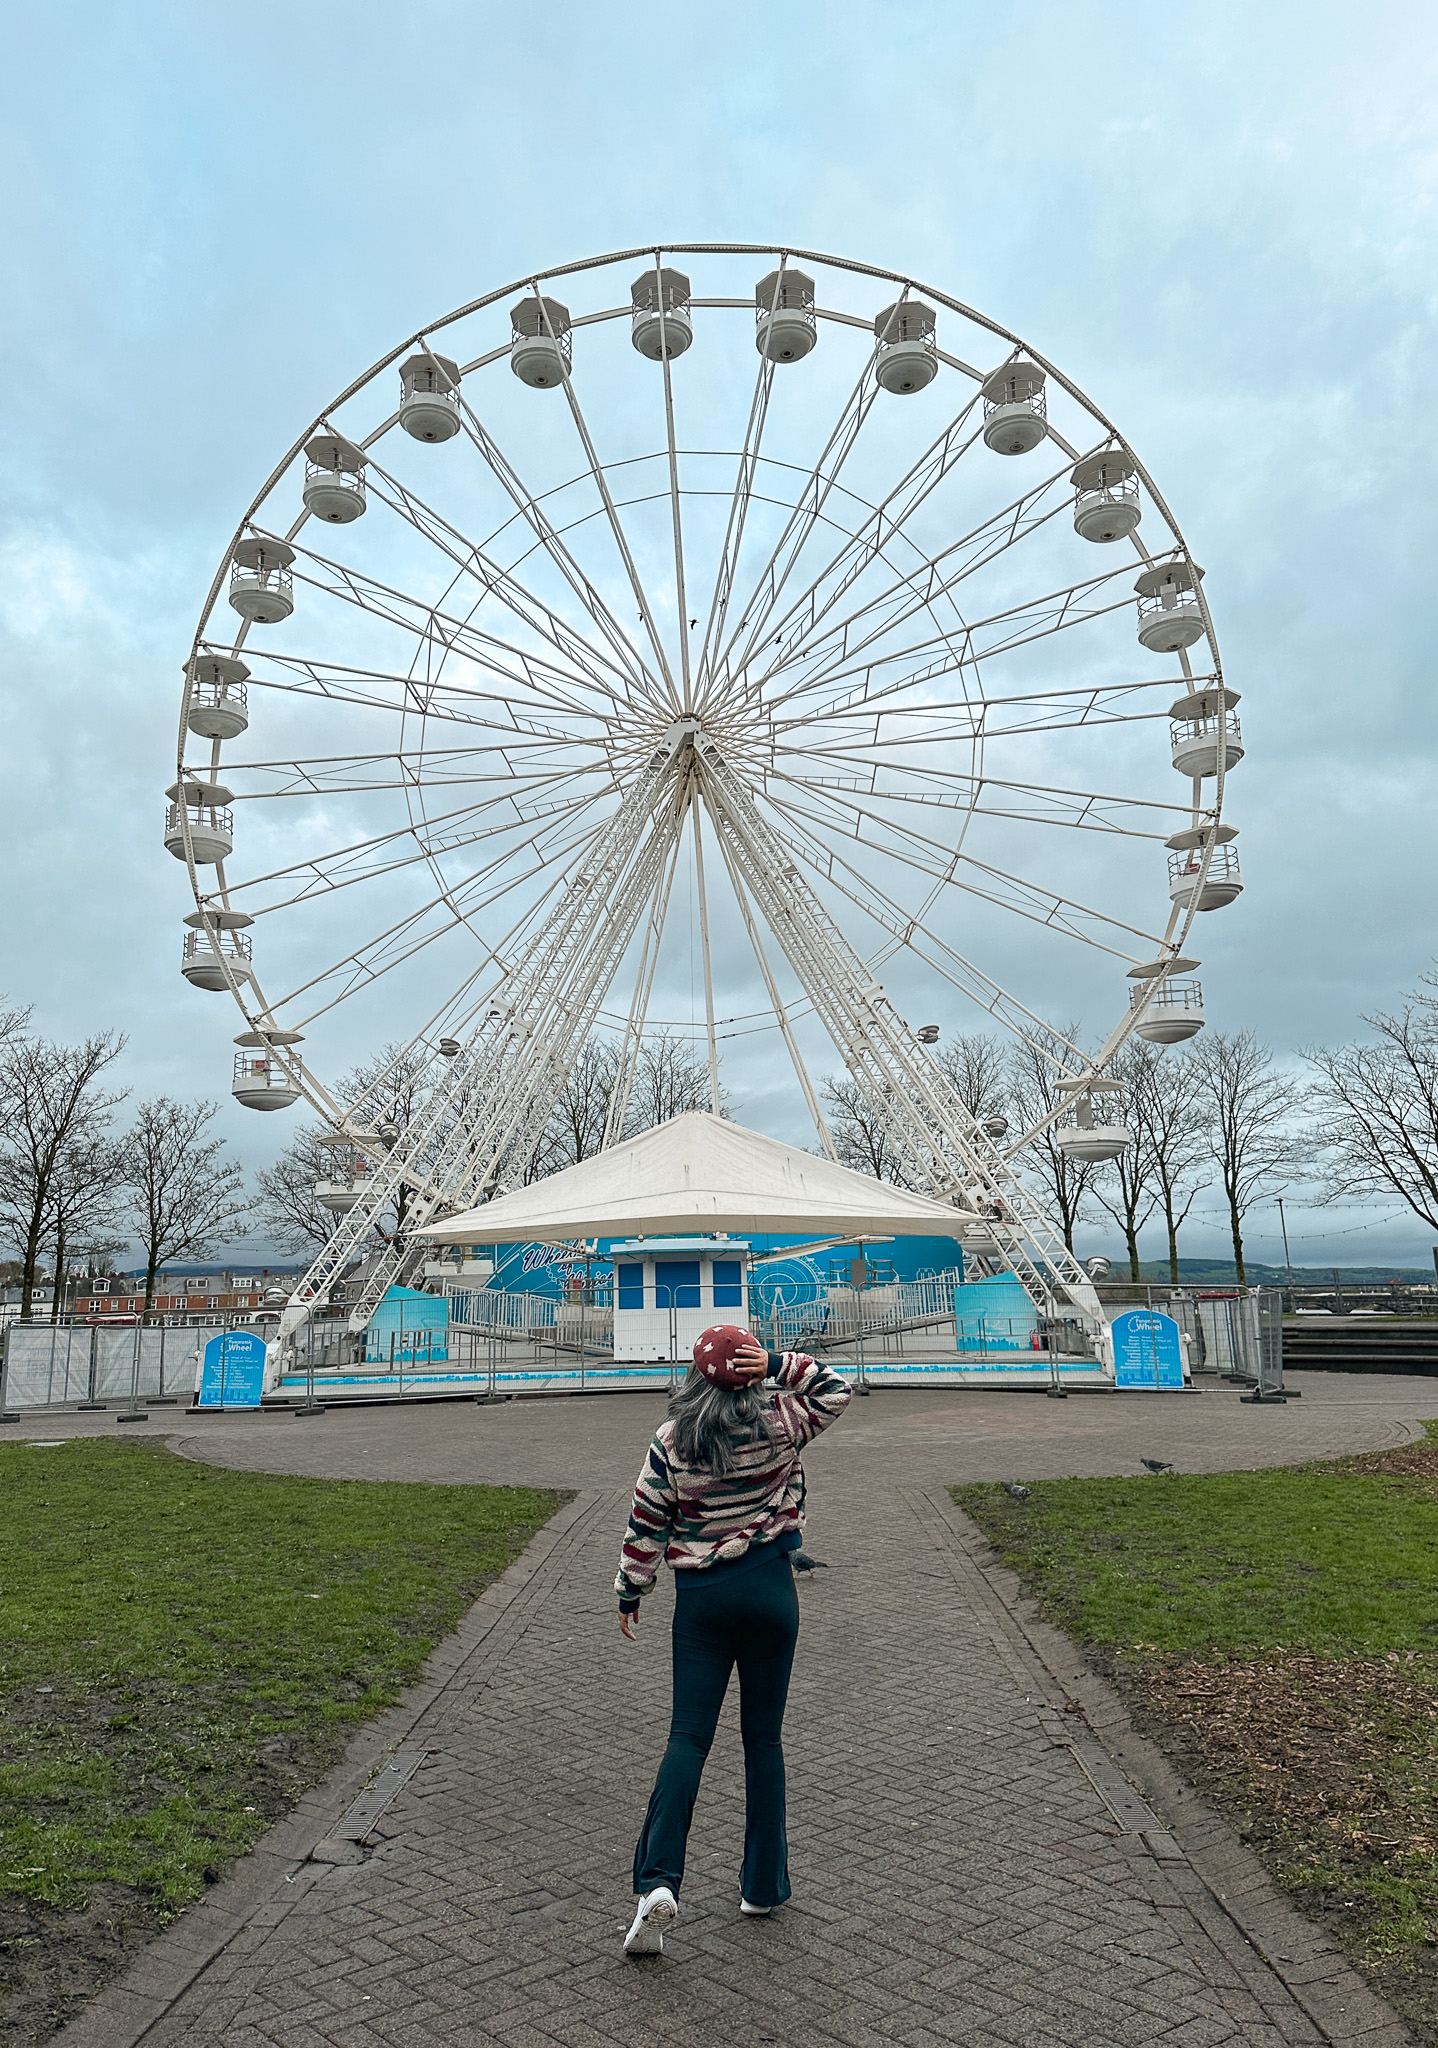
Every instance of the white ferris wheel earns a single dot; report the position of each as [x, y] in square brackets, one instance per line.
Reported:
[749, 601]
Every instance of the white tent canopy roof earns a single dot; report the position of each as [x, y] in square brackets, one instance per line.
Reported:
[697, 1173]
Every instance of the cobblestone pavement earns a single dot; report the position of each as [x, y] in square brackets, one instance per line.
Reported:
[969, 1863]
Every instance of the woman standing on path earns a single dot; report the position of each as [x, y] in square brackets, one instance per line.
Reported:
[721, 1497]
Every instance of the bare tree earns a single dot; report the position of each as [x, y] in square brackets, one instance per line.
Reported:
[385, 1094]
[288, 1211]
[1174, 1124]
[577, 1123]
[1033, 1092]
[1378, 1108]
[863, 1137]
[187, 1199]
[669, 1079]
[85, 1197]
[1126, 1187]
[1248, 1110]
[52, 1100]
[976, 1066]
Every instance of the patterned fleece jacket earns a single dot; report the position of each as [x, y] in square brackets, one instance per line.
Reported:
[693, 1518]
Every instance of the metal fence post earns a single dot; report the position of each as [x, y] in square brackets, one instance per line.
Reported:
[1268, 1319]
[90, 1402]
[162, 1399]
[5, 1415]
[135, 1413]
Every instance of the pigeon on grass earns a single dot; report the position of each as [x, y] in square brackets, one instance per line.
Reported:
[1154, 1465]
[1014, 1491]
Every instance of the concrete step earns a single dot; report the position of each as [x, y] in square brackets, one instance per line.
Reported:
[1397, 1344]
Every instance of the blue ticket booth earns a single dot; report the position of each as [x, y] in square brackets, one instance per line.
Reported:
[668, 1289]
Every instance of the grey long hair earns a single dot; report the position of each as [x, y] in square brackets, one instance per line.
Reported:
[711, 1423]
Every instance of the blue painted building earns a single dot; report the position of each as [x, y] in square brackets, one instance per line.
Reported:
[409, 1327]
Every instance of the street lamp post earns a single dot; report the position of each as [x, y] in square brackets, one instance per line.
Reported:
[1288, 1257]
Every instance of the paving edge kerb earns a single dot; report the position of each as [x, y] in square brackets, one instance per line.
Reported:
[126, 2011]
[1346, 2012]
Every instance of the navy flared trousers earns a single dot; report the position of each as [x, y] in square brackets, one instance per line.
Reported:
[748, 1618]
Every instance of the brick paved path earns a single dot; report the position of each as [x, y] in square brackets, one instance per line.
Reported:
[969, 1864]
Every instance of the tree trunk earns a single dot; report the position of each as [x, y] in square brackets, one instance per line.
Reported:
[32, 1262]
[57, 1289]
[151, 1263]
[1236, 1224]
[1172, 1239]
[1133, 1265]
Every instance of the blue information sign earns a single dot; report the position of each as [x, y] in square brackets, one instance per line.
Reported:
[233, 1372]
[1146, 1350]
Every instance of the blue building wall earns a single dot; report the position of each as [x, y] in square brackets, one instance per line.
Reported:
[546, 1269]
[418, 1324]
[995, 1315]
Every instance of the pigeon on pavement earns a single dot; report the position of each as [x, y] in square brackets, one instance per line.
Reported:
[1154, 1465]
[1014, 1492]
[804, 1563]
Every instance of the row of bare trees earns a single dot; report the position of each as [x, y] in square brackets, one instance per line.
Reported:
[668, 1078]
[74, 1191]
[1218, 1114]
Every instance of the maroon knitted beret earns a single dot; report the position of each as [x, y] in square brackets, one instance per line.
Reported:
[713, 1350]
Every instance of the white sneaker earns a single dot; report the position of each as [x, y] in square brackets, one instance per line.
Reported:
[754, 1912]
[656, 1911]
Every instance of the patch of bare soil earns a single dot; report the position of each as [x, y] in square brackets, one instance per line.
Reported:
[52, 1963]
[1329, 1770]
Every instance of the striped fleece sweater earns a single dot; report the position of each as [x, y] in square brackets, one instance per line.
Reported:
[692, 1518]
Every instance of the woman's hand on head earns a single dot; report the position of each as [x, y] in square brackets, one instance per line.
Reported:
[629, 1625]
[752, 1360]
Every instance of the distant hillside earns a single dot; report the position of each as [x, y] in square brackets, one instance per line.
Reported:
[1223, 1273]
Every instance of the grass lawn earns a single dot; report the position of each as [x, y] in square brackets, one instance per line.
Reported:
[183, 1651]
[1277, 1632]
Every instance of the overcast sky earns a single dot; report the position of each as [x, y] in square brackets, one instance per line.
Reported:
[1219, 221]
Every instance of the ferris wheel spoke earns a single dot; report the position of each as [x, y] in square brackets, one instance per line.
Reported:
[470, 560]
[528, 505]
[907, 596]
[960, 791]
[383, 955]
[410, 770]
[611, 513]
[910, 933]
[739, 505]
[681, 591]
[1032, 900]
[894, 725]
[782, 1014]
[765, 593]
[965, 645]
[885, 522]
[364, 861]
[403, 692]
[436, 630]
[638, 1017]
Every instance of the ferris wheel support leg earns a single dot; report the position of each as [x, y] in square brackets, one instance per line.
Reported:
[491, 1106]
[945, 1148]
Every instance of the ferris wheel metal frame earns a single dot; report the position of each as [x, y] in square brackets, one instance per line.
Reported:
[690, 754]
